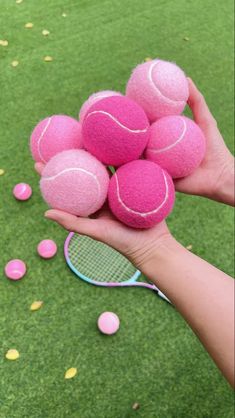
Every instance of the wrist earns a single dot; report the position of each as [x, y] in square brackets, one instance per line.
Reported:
[224, 191]
[159, 255]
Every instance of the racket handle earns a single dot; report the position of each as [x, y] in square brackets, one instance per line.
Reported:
[163, 296]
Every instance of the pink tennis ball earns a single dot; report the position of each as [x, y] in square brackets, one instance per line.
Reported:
[116, 130]
[141, 194]
[160, 87]
[177, 144]
[53, 135]
[108, 323]
[22, 191]
[15, 269]
[76, 182]
[93, 99]
[47, 248]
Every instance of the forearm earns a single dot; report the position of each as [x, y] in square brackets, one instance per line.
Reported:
[202, 294]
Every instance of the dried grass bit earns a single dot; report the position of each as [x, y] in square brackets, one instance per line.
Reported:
[36, 305]
[189, 247]
[135, 406]
[15, 63]
[47, 58]
[28, 25]
[12, 354]
[186, 38]
[148, 59]
[19, 1]
[70, 373]
[45, 32]
[2, 172]
[64, 15]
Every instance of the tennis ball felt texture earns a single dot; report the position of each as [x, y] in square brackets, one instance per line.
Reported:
[116, 130]
[94, 98]
[53, 135]
[160, 87]
[141, 194]
[177, 144]
[76, 182]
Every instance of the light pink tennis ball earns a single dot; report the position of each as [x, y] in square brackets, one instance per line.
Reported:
[22, 191]
[76, 182]
[15, 269]
[47, 248]
[141, 194]
[108, 323]
[116, 130]
[177, 144]
[94, 98]
[160, 87]
[53, 135]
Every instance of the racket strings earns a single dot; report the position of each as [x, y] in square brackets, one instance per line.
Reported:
[98, 261]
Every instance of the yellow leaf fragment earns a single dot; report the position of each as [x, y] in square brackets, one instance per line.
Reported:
[47, 58]
[12, 354]
[3, 42]
[36, 305]
[186, 38]
[189, 247]
[2, 172]
[45, 32]
[148, 59]
[15, 63]
[70, 373]
[19, 1]
[28, 25]
[64, 15]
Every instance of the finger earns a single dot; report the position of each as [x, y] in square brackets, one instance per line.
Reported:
[39, 168]
[94, 228]
[198, 105]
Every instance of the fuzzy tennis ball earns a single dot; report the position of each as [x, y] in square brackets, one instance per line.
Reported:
[141, 194]
[116, 130]
[177, 144]
[53, 135]
[160, 87]
[94, 98]
[76, 182]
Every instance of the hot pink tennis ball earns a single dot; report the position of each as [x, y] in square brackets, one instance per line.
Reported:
[108, 323]
[47, 248]
[76, 182]
[141, 194]
[116, 130]
[160, 87]
[53, 135]
[15, 269]
[22, 191]
[94, 98]
[177, 144]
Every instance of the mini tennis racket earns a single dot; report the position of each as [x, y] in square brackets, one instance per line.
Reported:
[101, 265]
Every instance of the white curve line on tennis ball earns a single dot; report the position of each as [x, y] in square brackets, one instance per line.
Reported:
[143, 214]
[181, 137]
[41, 137]
[150, 77]
[67, 170]
[136, 131]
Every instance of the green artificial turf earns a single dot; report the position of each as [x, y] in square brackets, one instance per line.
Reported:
[154, 359]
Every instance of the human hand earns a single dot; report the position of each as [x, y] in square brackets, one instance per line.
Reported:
[214, 178]
[137, 245]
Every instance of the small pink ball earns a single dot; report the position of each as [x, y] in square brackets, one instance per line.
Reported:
[22, 191]
[108, 323]
[47, 248]
[15, 269]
